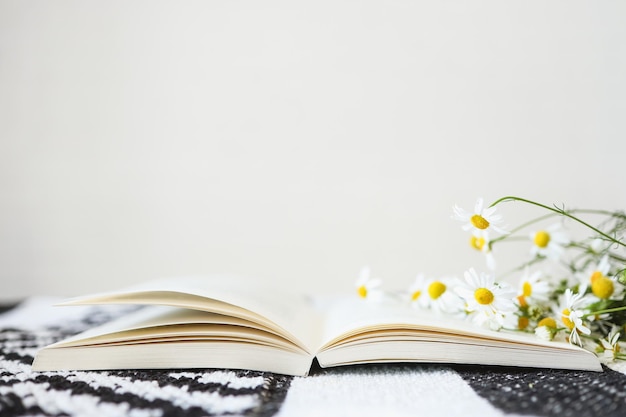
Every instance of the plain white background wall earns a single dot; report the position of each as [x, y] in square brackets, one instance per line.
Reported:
[292, 141]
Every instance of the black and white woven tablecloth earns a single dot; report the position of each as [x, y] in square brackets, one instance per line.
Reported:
[389, 390]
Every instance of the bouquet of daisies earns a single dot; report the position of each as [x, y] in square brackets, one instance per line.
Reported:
[567, 289]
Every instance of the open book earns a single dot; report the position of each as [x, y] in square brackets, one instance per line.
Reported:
[222, 323]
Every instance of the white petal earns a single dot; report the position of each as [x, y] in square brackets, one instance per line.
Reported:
[374, 283]
[461, 214]
[471, 278]
[584, 330]
[499, 229]
[488, 214]
[466, 293]
[478, 207]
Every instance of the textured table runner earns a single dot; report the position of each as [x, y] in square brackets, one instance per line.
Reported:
[390, 390]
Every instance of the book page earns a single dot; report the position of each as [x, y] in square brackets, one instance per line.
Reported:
[349, 318]
[153, 324]
[289, 313]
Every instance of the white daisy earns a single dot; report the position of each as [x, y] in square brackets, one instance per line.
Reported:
[550, 242]
[416, 290]
[602, 286]
[480, 221]
[439, 297]
[482, 244]
[366, 287]
[609, 346]
[515, 321]
[543, 332]
[546, 328]
[532, 289]
[485, 299]
[571, 315]
[595, 270]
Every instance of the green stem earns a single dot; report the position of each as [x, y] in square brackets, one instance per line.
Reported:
[608, 310]
[602, 212]
[563, 213]
[518, 228]
[510, 238]
[588, 249]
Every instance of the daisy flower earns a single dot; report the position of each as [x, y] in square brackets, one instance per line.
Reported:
[366, 287]
[532, 289]
[482, 244]
[439, 297]
[549, 243]
[485, 299]
[571, 316]
[515, 321]
[416, 290]
[602, 286]
[546, 328]
[609, 346]
[480, 221]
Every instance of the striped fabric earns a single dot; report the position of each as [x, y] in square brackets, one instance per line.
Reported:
[380, 390]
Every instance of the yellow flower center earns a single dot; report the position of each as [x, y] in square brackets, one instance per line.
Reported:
[565, 319]
[436, 289]
[527, 289]
[542, 238]
[602, 287]
[522, 301]
[595, 276]
[477, 242]
[548, 322]
[483, 296]
[362, 291]
[416, 295]
[479, 222]
[522, 322]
